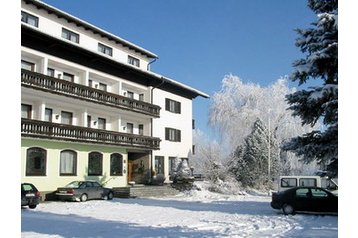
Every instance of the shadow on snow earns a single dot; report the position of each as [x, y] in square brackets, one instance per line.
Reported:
[231, 207]
[81, 227]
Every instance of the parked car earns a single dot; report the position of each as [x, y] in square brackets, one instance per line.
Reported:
[305, 199]
[83, 191]
[30, 196]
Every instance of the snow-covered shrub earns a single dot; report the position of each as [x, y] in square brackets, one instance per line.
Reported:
[182, 172]
[231, 186]
[158, 179]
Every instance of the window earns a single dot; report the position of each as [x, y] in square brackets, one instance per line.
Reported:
[36, 162]
[318, 193]
[172, 106]
[172, 165]
[95, 184]
[141, 97]
[133, 61]
[172, 134]
[66, 118]
[70, 35]
[103, 86]
[130, 128]
[90, 83]
[288, 182]
[95, 164]
[159, 164]
[116, 165]
[89, 119]
[101, 123]
[68, 163]
[27, 65]
[26, 111]
[302, 192]
[29, 19]
[104, 49]
[311, 182]
[130, 94]
[50, 72]
[68, 77]
[48, 114]
[141, 129]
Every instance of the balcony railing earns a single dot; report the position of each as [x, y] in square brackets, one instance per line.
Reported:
[66, 88]
[55, 131]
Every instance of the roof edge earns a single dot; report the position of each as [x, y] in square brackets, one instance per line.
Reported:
[93, 28]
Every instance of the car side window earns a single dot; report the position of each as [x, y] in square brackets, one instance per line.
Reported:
[302, 192]
[88, 185]
[83, 185]
[319, 193]
[96, 185]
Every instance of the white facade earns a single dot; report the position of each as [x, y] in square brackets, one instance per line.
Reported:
[76, 94]
[52, 25]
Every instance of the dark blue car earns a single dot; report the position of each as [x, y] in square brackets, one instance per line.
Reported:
[305, 199]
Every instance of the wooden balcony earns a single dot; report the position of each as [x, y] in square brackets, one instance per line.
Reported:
[58, 86]
[56, 131]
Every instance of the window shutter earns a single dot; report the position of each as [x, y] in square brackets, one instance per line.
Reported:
[167, 104]
[178, 107]
[167, 133]
[178, 135]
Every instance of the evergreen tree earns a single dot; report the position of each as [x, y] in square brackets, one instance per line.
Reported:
[251, 160]
[320, 44]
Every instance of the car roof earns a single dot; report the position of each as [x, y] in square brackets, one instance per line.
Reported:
[27, 184]
[86, 181]
[303, 187]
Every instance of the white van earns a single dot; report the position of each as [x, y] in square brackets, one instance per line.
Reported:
[286, 182]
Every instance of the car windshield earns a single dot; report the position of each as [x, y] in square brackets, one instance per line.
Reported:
[74, 184]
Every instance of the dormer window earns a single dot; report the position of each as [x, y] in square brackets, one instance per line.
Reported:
[70, 35]
[29, 19]
[133, 61]
[104, 49]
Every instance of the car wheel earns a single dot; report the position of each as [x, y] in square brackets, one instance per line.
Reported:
[110, 196]
[83, 197]
[288, 209]
[32, 206]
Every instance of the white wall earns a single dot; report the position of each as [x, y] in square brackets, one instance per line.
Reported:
[52, 25]
[182, 122]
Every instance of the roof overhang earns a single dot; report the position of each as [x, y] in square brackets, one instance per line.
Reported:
[33, 38]
[87, 26]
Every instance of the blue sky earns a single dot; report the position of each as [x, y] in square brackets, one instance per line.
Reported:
[199, 42]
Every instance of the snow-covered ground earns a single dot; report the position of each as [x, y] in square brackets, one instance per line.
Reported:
[195, 214]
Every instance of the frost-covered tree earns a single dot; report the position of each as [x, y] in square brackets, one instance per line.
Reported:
[315, 104]
[209, 158]
[235, 108]
[256, 161]
[237, 105]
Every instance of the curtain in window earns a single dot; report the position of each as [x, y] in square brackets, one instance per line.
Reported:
[66, 118]
[67, 162]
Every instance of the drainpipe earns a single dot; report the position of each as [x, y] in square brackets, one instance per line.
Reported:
[151, 123]
[148, 66]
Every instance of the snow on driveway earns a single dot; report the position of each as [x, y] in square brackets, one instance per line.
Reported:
[181, 216]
